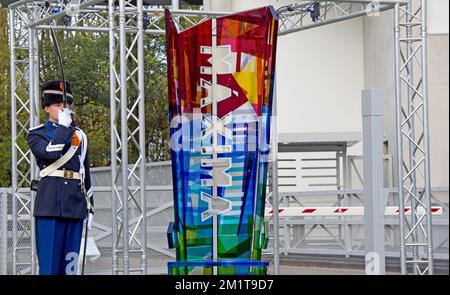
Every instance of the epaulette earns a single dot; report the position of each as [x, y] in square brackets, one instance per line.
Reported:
[36, 127]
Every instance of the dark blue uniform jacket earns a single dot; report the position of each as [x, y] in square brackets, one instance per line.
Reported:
[56, 196]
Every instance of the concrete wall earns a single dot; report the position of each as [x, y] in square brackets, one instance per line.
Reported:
[379, 69]
[438, 71]
[379, 72]
[438, 16]
[320, 74]
[223, 5]
[438, 48]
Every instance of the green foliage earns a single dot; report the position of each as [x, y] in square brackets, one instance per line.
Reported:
[5, 133]
[156, 106]
[97, 129]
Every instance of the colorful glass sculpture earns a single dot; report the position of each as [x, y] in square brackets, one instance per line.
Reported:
[221, 83]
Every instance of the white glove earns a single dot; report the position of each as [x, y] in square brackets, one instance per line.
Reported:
[89, 220]
[64, 117]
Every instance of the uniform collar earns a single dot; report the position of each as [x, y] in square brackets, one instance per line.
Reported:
[50, 124]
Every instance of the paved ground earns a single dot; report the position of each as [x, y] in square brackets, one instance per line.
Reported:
[160, 267]
[307, 270]
[290, 265]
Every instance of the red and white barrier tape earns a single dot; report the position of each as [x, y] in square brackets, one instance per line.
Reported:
[342, 211]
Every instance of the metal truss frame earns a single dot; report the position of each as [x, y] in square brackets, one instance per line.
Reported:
[296, 17]
[123, 21]
[413, 151]
[127, 133]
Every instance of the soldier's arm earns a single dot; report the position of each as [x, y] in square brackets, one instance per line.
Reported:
[49, 150]
[88, 182]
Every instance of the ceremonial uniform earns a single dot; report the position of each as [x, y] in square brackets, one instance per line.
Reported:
[61, 204]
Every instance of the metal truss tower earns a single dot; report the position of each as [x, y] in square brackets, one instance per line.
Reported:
[127, 135]
[124, 22]
[413, 151]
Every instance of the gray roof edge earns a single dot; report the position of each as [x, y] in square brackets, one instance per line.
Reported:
[350, 138]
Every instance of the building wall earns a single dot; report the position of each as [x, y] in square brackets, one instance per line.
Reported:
[438, 71]
[438, 48]
[320, 74]
[438, 16]
[217, 5]
[379, 71]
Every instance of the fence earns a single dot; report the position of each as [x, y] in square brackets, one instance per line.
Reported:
[342, 236]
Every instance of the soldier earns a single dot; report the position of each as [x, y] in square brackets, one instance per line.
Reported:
[63, 192]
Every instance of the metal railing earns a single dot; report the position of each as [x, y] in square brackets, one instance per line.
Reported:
[298, 235]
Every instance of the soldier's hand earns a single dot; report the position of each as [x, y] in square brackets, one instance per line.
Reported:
[64, 117]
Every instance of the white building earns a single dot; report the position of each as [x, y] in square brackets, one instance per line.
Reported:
[321, 72]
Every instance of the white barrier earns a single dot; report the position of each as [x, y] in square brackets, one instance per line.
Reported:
[342, 211]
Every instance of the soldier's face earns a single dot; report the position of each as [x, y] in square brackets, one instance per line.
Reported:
[52, 111]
